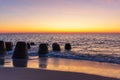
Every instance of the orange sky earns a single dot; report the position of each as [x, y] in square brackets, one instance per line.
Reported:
[59, 16]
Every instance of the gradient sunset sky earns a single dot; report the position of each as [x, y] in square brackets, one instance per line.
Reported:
[59, 16]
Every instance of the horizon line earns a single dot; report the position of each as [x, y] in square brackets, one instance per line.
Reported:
[59, 32]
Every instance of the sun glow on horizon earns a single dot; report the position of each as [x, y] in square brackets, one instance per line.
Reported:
[59, 16]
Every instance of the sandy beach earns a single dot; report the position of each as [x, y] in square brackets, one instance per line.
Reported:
[57, 69]
[38, 74]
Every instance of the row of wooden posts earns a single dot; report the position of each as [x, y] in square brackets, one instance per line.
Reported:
[21, 49]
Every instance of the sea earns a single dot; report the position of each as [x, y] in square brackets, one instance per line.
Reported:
[99, 47]
[91, 53]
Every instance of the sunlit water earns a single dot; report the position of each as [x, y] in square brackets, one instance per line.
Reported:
[97, 54]
[69, 65]
[95, 47]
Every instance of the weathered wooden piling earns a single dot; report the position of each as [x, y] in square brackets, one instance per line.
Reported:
[2, 49]
[28, 45]
[43, 49]
[68, 46]
[56, 47]
[21, 51]
[9, 46]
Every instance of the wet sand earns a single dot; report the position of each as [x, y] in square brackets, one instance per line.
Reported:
[67, 65]
[40, 74]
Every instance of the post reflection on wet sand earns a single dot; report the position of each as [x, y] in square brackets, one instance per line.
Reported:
[2, 61]
[43, 62]
[20, 62]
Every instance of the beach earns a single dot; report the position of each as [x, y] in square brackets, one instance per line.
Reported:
[46, 68]
[38, 74]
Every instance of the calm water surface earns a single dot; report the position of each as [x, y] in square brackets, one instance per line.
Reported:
[69, 65]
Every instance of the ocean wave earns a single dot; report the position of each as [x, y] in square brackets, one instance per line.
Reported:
[113, 58]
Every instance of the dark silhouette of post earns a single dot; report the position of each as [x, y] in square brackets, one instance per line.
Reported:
[68, 46]
[32, 43]
[43, 49]
[21, 51]
[28, 45]
[56, 47]
[9, 46]
[2, 49]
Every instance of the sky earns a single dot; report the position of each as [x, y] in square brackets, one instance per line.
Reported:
[59, 16]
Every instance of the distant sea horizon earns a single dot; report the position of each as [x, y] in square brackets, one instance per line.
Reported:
[59, 32]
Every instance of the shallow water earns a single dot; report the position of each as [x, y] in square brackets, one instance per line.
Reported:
[69, 65]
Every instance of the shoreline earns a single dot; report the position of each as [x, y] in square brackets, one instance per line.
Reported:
[65, 65]
[35, 74]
